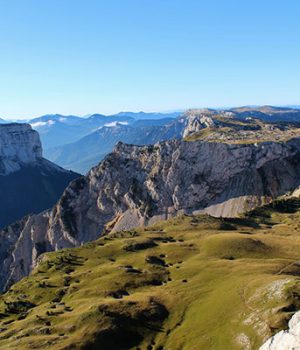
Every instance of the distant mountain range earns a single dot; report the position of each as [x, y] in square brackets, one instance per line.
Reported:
[89, 150]
[56, 130]
[73, 140]
[79, 143]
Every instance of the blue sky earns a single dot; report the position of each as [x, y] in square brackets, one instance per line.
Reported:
[86, 56]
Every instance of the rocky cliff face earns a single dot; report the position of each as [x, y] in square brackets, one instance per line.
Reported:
[196, 120]
[138, 185]
[19, 145]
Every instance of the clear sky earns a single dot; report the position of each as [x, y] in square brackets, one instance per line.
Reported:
[87, 56]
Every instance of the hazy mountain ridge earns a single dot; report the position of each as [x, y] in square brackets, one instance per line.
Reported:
[95, 146]
[58, 129]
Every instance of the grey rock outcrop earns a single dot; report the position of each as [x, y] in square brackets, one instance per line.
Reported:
[285, 340]
[194, 121]
[139, 185]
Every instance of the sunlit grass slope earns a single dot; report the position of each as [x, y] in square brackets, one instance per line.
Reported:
[189, 283]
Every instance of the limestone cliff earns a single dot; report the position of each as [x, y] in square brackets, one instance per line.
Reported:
[19, 145]
[138, 185]
[196, 120]
[285, 340]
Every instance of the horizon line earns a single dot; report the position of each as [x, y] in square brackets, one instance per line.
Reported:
[169, 111]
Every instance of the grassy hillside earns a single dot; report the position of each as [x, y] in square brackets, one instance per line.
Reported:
[189, 283]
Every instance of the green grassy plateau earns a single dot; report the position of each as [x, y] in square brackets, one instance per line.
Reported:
[189, 283]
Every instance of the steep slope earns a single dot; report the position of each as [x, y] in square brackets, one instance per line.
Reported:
[194, 282]
[139, 185]
[28, 183]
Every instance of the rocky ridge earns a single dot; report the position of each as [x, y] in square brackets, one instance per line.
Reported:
[196, 120]
[139, 185]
